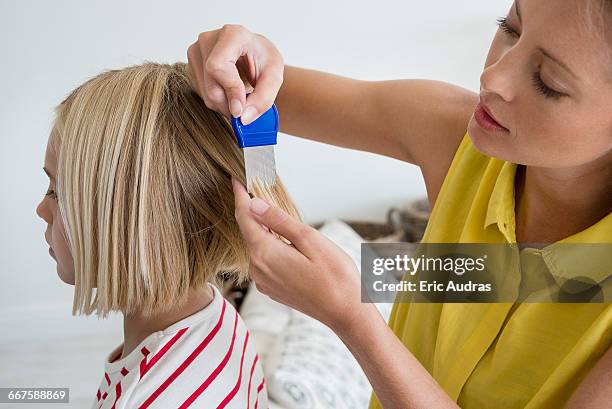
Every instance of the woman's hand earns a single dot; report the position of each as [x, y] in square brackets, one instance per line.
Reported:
[220, 59]
[316, 277]
[312, 275]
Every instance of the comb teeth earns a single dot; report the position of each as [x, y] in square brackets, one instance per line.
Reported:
[260, 166]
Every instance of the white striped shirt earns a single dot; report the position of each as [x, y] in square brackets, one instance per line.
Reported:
[205, 360]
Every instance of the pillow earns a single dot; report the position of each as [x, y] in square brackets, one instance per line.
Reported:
[310, 368]
[265, 319]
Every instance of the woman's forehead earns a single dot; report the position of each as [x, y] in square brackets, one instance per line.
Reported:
[576, 32]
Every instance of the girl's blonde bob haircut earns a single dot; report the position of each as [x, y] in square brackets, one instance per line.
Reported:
[144, 190]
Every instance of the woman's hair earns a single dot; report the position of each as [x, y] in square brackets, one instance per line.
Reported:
[144, 190]
[599, 16]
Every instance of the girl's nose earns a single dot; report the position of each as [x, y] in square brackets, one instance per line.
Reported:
[43, 212]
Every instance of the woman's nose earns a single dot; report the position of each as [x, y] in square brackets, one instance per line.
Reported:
[502, 76]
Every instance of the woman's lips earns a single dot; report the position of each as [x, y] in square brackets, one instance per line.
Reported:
[486, 121]
[51, 252]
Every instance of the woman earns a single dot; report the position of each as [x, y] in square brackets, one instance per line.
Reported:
[535, 166]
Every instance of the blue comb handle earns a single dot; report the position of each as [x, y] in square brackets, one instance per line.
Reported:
[261, 132]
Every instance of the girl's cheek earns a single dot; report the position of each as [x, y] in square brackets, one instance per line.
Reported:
[65, 264]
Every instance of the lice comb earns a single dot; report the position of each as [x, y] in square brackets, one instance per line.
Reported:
[257, 141]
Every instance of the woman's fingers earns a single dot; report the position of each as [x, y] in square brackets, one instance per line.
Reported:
[207, 88]
[271, 259]
[252, 217]
[251, 230]
[304, 275]
[302, 236]
[275, 265]
[267, 87]
[212, 64]
[232, 43]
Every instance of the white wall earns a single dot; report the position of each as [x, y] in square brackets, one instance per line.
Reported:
[49, 47]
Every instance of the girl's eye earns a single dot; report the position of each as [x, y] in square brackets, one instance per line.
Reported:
[543, 88]
[51, 193]
[502, 22]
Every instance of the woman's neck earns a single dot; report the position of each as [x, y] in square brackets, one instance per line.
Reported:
[555, 203]
[136, 327]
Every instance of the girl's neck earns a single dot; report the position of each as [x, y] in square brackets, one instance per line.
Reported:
[552, 204]
[136, 327]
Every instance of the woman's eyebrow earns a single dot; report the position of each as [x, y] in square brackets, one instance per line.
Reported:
[543, 51]
[558, 61]
[48, 173]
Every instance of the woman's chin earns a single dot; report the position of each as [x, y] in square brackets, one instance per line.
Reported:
[478, 136]
[487, 143]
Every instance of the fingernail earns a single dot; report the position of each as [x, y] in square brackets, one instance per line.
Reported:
[235, 108]
[248, 115]
[259, 206]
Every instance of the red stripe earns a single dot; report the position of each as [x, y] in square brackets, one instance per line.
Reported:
[233, 392]
[144, 369]
[143, 363]
[103, 399]
[259, 388]
[105, 394]
[216, 372]
[124, 372]
[117, 394]
[250, 380]
[98, 395]
[186, 362]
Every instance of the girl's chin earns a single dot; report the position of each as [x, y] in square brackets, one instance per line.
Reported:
[66, 278]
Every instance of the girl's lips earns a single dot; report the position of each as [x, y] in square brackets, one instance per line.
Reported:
[51, 252]
[486, 121]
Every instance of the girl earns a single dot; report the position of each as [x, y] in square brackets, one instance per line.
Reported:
[527, 160]
[140, 220]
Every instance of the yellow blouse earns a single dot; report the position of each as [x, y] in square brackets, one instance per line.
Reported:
[504, 355]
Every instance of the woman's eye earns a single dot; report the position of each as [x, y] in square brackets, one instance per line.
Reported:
[502, 22]
[536, 79]
[543, 88]
[51, 193]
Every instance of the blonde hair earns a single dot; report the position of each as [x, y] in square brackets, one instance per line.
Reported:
[597, 15]
[144, 190]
